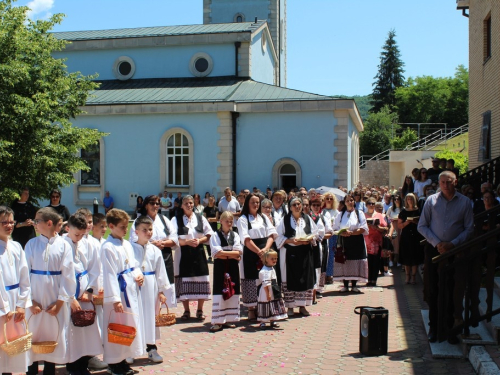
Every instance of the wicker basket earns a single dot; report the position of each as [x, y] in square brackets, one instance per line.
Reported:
[45, 347]
[83, 318]
[99, 299]
[164, 320]
[121, 334]
[17, 345]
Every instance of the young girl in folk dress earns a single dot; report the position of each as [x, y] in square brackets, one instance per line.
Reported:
[14, 292]
[226, 251]
[270, 304]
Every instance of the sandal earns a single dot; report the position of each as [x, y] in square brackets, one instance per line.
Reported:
[275, 325]
[199, 315]
[186, 315]
[343, 290]
[262, 326]
[229, 325]
[303, 311]
[215, 328]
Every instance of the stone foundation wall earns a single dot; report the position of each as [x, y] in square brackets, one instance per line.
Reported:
[375, 172]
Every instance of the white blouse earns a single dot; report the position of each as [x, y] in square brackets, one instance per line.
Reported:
[216, 247]
[280, 241]
[259, 230]
[158, 230]
[191, 224]
[350, 221]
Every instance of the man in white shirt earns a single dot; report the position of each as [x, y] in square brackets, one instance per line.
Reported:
[166, 204]
[387, 201]
[229, 203]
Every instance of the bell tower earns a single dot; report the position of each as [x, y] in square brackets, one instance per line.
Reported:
[273, 11]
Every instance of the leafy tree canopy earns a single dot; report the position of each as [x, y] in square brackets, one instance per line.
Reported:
[39, 147]
[390, 74]
[428, 99]
[379, 130]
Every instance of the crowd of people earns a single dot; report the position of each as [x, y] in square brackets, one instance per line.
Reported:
[273, 252]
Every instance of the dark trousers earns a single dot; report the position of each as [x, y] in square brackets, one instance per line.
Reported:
[49, 368]
[151, 347]
[373, 267]
[80, 364]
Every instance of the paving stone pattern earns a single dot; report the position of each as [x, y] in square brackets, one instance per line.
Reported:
[327, 342]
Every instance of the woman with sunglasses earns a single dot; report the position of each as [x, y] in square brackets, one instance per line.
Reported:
[394, 229]
[55, 203]
[163, 238]
[323, 221]
[330, 207]
[354, 228]
[411, 254]
[358, 200]
[257, 235]
[421, 182]
[296, 232]
[24, 214]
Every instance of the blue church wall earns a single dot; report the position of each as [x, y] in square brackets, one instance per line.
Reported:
[159, 62]
[132, 154]
[224, 10]
[262, 61]
[264, 138]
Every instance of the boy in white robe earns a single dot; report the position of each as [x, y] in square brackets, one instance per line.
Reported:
[122, 300]
[156, 283]
[53, 287]
[95, 363]
[14, 292]
[83, 342]
[99, 229]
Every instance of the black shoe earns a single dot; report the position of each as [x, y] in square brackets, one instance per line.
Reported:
[453, 340]
[318, 295]
[432, 336]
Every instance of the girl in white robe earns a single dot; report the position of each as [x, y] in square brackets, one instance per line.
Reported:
[83, 342]
[53, 287]
[122, 300]
[14, 293]
[156, 283]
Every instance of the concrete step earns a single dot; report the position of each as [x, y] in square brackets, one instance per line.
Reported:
[442, 349]
[494, 325]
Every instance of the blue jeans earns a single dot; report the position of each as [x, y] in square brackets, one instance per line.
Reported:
[332, 246]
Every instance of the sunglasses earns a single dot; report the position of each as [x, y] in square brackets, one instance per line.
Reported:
[154, 203]
[38, 221]
[370, 204]
[315, 205]
[329, 199]
[296, 204]
[55, 196]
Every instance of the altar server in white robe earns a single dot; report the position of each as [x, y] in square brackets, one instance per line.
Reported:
[53, 287]
[156, 283]
[163, 238]
[99, 228]
[15, 292]
[122, 300]
[83, 342]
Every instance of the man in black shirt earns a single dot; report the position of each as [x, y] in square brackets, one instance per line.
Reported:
[433, 173]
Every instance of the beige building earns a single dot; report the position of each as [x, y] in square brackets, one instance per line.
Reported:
[484, 79]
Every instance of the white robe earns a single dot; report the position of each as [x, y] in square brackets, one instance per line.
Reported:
[151, 260]
[13, 270]
[97, 244]
[52, 254]
[158, 235]
[84, 341]
[118, 256]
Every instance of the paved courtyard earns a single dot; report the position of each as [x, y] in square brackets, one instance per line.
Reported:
[327, 342]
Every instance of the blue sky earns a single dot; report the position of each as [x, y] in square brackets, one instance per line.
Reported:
[333, 45]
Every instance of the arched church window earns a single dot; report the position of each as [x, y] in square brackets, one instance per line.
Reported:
[239, 17]
[178, 160]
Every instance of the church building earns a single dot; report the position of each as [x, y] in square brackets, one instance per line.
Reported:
[196, 108]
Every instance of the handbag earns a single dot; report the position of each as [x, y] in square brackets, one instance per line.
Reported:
[340, 253]
[228, 290]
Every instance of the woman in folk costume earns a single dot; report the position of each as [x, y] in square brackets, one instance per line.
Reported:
[192, 282]
[323, 221]
[156, 284]
[163, 238]
[296, 235]
[53, 287]
[14, 292]
[226, 251]
[257, 236]
[122, 300]
[83, 342]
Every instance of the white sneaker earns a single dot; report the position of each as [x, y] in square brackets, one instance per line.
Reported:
[96, 364]
[129, 360]
[154, 356]
[388, 273]
[390, 263]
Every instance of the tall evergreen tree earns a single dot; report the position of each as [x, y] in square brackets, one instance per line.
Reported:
[389, 76]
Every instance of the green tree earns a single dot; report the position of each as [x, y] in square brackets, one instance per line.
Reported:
[38, 97]
[379, 131]
[405, 139]
[428, 99]
[461, 160]
[389, 76]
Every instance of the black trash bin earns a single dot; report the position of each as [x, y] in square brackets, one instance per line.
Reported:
[373, 330]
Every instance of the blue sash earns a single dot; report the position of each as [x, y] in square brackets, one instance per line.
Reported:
[123, 284]
[78, 277]
[11, 287]
[149, 273]
[46, 273]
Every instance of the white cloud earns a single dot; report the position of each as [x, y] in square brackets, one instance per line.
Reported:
[40, 8]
